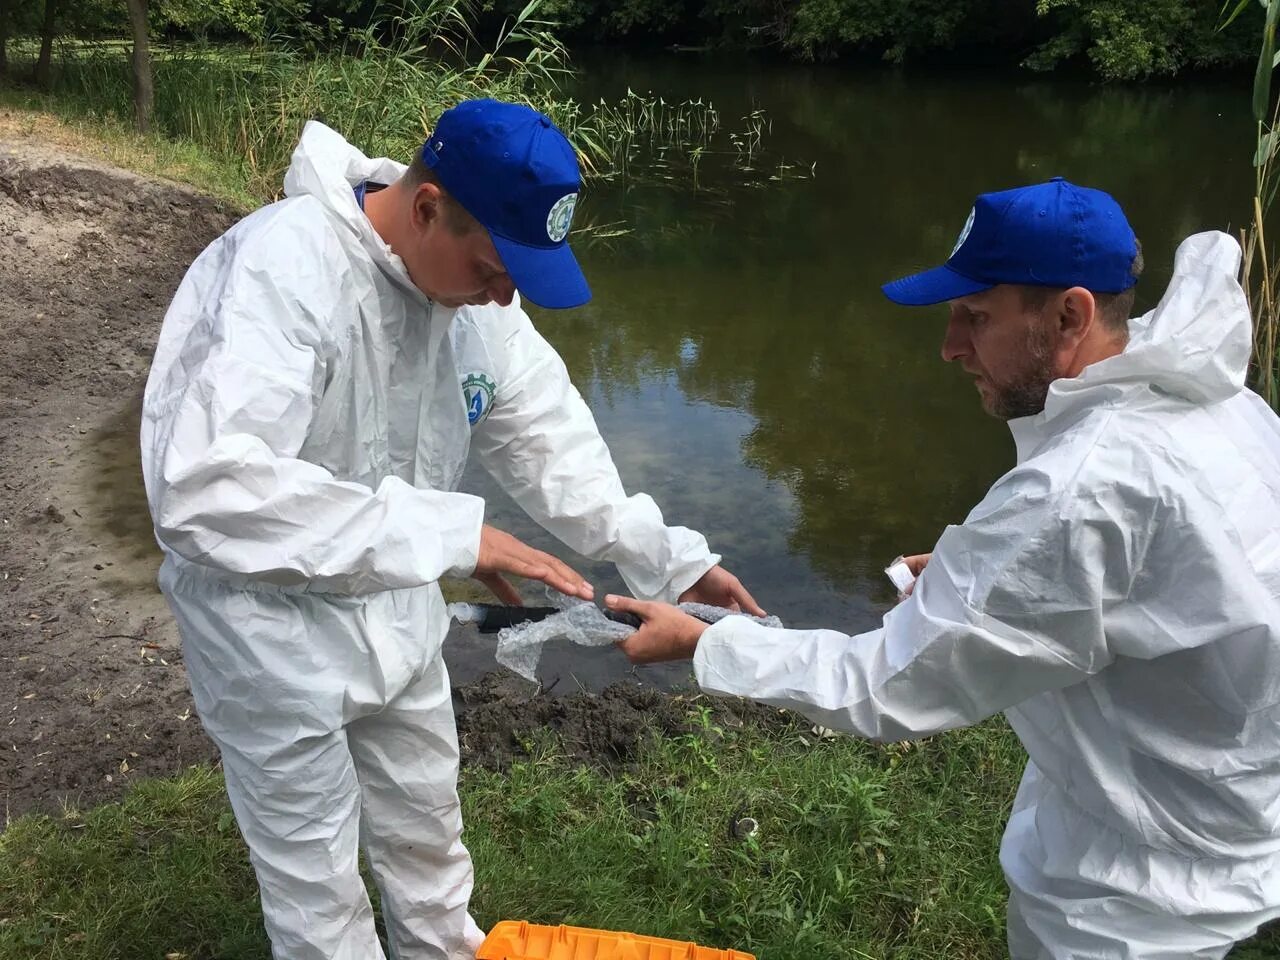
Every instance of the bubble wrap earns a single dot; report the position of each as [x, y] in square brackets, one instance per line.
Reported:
[583, 623]
[709, 614]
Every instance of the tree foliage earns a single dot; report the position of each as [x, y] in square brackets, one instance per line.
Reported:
[1117, 39]
[1114, 39]
[1136, 39]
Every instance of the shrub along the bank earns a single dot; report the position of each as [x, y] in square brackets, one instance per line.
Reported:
[1116, 39]
[1113, 39]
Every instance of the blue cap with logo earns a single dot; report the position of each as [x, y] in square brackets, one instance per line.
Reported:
[514, 171]
[1053, 234]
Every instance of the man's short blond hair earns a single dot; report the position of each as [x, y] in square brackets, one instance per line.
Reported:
[457, 218]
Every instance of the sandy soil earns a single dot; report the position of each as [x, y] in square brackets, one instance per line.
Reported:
[92, 681]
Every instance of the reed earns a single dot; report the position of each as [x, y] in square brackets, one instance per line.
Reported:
[1260, 272]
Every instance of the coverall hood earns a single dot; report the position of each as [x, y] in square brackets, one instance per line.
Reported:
[1195, 344]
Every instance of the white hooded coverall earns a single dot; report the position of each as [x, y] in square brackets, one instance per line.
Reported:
[1117, 595]
[304, 430]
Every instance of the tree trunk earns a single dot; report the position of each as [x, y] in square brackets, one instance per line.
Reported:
[44, 65]
[4, 38]
[143, 90]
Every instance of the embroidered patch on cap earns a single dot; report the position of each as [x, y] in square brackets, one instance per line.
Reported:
[964, 234]
[561, 217]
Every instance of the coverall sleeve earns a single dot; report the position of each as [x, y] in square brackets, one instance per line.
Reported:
[1010, 605]
[541, 443]
[230, 491]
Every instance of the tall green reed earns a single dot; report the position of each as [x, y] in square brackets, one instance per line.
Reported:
[1260, 274]
[388, 81]
[385, 85]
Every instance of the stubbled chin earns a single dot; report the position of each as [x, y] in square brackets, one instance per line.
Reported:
[986, 397]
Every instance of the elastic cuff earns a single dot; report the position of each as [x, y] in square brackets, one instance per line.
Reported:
[682, 581]
[712, 646]
[467, 554]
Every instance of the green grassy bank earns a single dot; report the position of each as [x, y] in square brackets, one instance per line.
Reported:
[862, 851]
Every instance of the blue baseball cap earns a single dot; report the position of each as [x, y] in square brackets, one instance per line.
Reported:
[514, 171]
[1053, 234]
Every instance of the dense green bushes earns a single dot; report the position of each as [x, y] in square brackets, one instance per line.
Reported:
[1135, 39]
[1117, 39]
[1113, 39]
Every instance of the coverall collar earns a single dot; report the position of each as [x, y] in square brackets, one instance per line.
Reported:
[326, 167]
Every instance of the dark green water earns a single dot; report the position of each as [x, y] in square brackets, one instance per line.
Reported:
[739, 356]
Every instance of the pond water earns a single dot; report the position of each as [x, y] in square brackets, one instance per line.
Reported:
[738, 354]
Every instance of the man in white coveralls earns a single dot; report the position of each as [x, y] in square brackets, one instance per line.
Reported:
[320, 376]
[1116, 594]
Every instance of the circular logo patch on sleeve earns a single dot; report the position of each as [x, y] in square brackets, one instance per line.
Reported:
[478, 391]
[561, 217]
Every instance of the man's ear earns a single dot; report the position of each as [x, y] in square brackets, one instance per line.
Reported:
[1076, 313]
[427, 206]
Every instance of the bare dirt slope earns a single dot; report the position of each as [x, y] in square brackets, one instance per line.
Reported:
[91, 686]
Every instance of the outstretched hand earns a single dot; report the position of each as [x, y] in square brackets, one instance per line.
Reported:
[720, 588]
[916, 564]
[667, 633]
[502, 553]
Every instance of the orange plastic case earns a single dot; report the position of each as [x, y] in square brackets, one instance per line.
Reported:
[518, 940]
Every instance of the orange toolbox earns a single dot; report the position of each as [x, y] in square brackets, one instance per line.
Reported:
[518, 940]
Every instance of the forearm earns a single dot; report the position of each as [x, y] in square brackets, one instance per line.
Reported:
[242, 509]
[823, 674]
[931, 666]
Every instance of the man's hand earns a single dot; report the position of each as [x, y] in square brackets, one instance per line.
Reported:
[916, 564]
[667, 633]
[502, 553]
[720, 588]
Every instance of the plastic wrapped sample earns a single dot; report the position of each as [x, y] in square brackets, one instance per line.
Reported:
[520, 646]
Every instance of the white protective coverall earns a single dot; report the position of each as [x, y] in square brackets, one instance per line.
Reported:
[1117, 595]
[304, 430]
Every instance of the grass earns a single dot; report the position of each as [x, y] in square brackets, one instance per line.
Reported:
[164, 873]
[33, 118]
[862, 851]
[244, 106]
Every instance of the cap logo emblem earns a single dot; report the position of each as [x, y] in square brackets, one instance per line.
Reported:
[964, 234]
[561, 217]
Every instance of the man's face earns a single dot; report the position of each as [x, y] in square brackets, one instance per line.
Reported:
[1007, 348]
[455, 268]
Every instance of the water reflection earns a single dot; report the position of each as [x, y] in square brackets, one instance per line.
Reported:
[740, 358]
